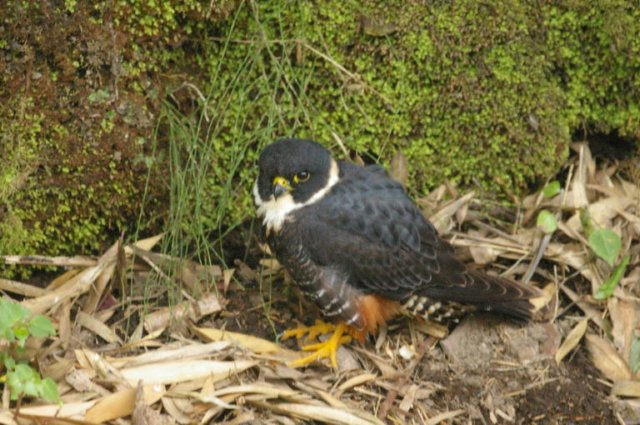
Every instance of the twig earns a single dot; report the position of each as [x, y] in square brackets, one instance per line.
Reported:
[393, 393]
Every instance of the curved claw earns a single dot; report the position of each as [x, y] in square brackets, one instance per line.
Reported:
[325, 349]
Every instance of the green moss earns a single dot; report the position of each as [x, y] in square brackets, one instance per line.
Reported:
[480, 94]
[483, 94]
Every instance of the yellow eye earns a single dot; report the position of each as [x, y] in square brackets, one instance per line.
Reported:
[302, 176]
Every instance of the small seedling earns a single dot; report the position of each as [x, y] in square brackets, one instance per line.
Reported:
[547, 222]
[15, 328]
[552, 189]
[609, 285]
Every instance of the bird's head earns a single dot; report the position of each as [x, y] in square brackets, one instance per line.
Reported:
[293, 173]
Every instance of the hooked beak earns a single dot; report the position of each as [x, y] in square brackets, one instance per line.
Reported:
[280, 186]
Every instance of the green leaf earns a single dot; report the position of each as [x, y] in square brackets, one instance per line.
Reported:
[606, 244]
[634, 355]
[547, 222]
[609, 285]
[11, 313]
[16, 385]
[41, 327]
[24, 380]
[9, 362]
[50, 390]
[21, 333]
[552, 189]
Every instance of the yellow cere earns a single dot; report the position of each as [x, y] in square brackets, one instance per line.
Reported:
[282, 182]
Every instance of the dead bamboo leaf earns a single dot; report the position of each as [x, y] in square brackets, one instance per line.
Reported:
[20, 288]
[177, 414]
[63, 314]
[571, 340]
[121, 404]
[98, 328]
[191, 351]
[226, 279]
[74, 287]
[323, 413]
[195, 310]
[97, 290]
[354, 382]
[67, 410]
[251, 343]
[435, 420]
[148, 243]
[41, 260]
[176, 371]
[268, 390]
[607, 360]
[626, 389]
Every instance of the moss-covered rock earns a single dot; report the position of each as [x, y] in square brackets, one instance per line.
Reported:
[479, 93]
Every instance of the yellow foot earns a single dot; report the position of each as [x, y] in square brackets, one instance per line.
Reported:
[326, 349]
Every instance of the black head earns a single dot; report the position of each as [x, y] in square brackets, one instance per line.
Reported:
[296, 166]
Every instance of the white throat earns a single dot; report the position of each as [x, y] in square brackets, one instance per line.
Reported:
[275, 211]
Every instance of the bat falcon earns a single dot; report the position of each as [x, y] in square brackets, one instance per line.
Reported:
[356, 245]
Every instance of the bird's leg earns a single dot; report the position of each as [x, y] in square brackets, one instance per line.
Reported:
[325, 349]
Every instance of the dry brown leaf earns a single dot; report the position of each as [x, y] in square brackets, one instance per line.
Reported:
[409, 398]
[482, 254]
[252, 343]
[571, 340]
[121, 404]
[442, 219]
[624, 318]
[399, 168]
[607, 360]
[601, 212]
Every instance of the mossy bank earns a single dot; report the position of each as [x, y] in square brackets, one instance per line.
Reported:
[104, 104]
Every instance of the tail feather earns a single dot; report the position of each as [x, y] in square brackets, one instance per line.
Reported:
[478, 291]
[505, 296]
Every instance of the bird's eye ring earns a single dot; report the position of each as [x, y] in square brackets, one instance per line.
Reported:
[302, 176]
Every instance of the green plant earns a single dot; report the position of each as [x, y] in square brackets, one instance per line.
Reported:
[16, 327]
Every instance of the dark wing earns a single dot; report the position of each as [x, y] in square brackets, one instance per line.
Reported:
[382, 240]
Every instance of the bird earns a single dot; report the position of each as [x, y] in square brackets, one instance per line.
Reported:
[358, 246]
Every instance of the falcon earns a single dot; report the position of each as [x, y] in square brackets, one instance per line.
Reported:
[356, 245]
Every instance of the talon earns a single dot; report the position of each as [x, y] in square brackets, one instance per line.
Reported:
[325, 349]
